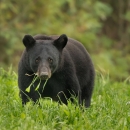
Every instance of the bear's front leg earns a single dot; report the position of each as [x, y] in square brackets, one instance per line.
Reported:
[26, 85]
[24, 96]
[27, 96]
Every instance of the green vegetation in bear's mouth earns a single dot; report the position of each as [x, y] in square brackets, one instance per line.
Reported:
[44, 84]
[33, 81]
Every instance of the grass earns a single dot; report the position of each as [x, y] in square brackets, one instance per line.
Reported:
[110, 108]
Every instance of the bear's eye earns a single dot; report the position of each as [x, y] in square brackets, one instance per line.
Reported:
[37, 60]
[50, 60]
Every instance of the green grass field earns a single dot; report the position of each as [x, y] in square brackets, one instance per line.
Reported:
[110, 108]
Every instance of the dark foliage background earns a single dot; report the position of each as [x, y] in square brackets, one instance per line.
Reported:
[103, 26]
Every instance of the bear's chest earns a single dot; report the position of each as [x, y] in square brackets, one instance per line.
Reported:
[54, 85]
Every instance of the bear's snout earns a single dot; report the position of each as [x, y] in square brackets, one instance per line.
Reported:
[44, 73]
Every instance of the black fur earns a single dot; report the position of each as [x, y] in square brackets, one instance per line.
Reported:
[64, 61]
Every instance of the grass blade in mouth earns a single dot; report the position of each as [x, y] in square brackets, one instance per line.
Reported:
[29, 87]
[38, 86]
[34, 79]
[30, 74]
[44, 84]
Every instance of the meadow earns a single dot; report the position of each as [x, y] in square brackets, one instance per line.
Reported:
[110, 108]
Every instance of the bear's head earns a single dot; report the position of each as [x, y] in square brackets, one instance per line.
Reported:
[44, 55]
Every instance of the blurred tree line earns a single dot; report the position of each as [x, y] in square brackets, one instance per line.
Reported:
[103, 26]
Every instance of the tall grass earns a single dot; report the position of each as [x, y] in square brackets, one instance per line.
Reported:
[110, 108]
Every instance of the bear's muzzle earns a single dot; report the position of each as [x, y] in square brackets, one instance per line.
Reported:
[44, 73]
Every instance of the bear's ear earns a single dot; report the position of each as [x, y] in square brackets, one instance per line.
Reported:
[61, 42]
[28, 41]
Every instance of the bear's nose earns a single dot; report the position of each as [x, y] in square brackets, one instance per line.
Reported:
[44, 75]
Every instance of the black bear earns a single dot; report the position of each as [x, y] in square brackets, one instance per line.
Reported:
[62, 66]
